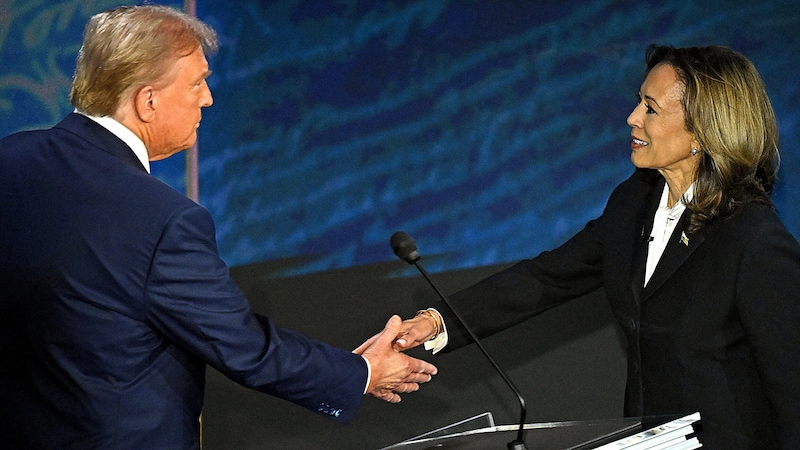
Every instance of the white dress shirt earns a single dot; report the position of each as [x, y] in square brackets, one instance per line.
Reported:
[664, 223]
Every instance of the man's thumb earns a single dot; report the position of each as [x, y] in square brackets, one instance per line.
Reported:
[391, 329]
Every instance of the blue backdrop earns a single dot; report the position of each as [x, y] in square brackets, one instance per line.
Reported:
[488, 130]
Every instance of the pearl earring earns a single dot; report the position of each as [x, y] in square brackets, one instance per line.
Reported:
[694, 151]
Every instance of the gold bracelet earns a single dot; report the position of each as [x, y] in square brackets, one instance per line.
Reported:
[435, 322]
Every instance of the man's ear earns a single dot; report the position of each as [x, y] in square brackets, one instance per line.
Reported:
[144, 104]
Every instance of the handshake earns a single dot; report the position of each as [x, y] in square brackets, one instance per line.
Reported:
[392, 372]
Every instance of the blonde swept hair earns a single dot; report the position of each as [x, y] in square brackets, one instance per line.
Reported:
[727, 109]
[127, 48]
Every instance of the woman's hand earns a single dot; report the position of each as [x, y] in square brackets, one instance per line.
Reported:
[423, 327]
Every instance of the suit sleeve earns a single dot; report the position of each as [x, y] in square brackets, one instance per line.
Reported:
[768, 300]
[194, 303]
[568, 272]
[528, 288]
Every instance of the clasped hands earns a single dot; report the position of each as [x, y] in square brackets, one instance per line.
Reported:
[393, 372]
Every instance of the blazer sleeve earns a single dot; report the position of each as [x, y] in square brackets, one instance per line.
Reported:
[554, 277]
[193, 302]
[528, 288]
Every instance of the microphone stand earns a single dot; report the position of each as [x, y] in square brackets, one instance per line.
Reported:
[406, 249]
[519, 442]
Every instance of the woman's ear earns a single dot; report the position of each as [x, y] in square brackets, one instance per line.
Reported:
[696, 149]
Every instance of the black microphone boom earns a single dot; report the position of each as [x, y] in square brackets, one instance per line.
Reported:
[406, 249]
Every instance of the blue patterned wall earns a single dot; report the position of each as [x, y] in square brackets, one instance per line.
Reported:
[488, 130]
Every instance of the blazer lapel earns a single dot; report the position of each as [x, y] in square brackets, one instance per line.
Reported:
[680, 246]
[645, 224]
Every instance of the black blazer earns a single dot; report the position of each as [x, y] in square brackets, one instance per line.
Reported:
[716, 329]
[113, 299]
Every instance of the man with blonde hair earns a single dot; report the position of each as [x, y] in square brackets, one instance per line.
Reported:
[113, 297]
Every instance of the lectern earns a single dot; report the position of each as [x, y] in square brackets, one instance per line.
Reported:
[480, 433]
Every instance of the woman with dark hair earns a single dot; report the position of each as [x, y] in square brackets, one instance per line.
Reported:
[701, 274]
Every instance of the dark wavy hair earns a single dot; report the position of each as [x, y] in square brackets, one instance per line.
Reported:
[727, 108]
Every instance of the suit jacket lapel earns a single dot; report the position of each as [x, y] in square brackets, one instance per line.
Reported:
[681, 244]
[100, 137]
[645, 224]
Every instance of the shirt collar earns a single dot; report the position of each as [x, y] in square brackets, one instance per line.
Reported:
[680, 205]
[127, 136]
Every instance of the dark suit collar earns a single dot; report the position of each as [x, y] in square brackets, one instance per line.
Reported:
[680, 245]
[100, 137]
[644, 223]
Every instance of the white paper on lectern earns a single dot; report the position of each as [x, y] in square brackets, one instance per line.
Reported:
[669, 436]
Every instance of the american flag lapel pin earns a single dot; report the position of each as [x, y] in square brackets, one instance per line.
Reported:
[684, 239]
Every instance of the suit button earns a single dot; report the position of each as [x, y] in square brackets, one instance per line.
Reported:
[632, 324]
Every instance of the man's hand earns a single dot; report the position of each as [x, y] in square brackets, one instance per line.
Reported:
[393, 373]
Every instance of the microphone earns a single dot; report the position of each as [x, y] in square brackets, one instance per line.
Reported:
[406, 249]
[645, 236]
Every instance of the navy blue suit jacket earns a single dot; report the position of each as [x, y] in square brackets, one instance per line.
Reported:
[715, 330]
[113, 299]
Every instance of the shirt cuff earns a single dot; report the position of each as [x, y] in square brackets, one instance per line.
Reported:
[369, 374]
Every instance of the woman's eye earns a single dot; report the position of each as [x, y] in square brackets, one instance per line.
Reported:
[640, 101]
